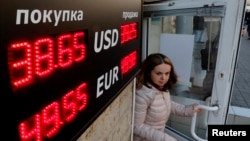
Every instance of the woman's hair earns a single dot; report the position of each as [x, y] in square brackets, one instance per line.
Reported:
[143, 78]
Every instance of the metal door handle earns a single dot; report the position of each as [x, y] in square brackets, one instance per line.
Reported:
[193, 123]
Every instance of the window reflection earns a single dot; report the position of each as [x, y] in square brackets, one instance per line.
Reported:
[206, 32]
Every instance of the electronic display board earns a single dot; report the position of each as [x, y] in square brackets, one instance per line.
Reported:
[63, 62]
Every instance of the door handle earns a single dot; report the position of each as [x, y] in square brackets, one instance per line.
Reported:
[193, 123]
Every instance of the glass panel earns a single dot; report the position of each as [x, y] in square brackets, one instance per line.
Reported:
[206, 31]
[239, 109]
[180, 37]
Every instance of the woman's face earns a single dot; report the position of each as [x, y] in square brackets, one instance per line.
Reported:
[160, 74]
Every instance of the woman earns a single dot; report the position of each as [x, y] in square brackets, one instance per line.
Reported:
[152, 103]
[247, 21]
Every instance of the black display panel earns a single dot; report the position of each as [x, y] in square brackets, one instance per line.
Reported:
[63, 62]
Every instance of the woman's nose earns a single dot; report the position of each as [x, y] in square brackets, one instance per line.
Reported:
[163, 77]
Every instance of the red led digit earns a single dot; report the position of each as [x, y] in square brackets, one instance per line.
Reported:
[44, 60]
[133, 30]
[128, 32]
[48, 122]
[124, 65]
[51, 122]
[79, 47]
[65, 57]
[128, 62]
[81, 94]
[20, 63]
[41, 57]
[131, 60]
[69, 106]
[30, 129]
[124, 35]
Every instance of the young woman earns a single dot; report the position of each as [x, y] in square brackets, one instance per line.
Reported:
[153, 104]
[247, 21]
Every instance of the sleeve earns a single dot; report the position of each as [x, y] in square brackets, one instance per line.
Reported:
[145, 131]
[182, 110]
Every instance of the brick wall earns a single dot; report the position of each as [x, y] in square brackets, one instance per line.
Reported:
[115, 123]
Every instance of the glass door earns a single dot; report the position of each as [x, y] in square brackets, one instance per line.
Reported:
[202, 39]
[239, 107]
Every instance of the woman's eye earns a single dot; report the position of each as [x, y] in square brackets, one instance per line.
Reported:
[158, 73]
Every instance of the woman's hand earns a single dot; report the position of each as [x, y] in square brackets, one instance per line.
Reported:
[196, 109]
